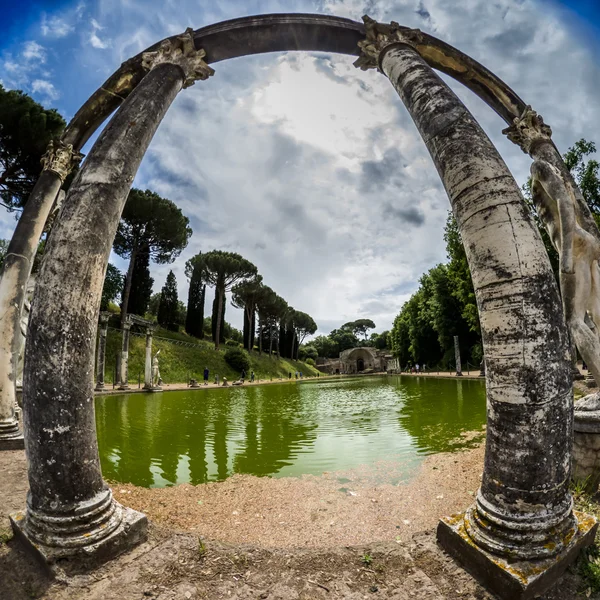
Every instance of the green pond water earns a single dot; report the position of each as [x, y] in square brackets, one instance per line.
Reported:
[287, 429]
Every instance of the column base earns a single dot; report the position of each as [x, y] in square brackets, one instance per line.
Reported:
[589, 381]
[132, 531]
[12, 443]
[124, 387]
[155, 389]
[100, 387]
[11, 435]
[512, 579]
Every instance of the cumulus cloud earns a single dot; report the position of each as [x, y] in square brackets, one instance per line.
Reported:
[55, 27]
[95, 39]
[32, 51]
[46, 88]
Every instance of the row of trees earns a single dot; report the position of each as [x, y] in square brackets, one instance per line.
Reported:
[267, 316]
[444, 305]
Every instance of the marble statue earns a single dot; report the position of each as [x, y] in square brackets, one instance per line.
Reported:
[23, 325]
[156, 380]
[576, 239]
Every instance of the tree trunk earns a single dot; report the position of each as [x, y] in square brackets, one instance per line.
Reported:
[520, 511]
[270, 339]
[220, 294]
[127, 288]
[259, 334]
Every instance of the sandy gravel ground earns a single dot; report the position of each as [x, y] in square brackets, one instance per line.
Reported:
[337, 509]
[278, 539]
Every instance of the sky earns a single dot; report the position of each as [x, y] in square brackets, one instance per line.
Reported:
[308, 167]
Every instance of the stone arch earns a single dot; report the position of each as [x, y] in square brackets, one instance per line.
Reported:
[518, 514]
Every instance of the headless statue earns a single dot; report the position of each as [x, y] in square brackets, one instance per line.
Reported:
[23, 326]
[156, 380]
[567, 219]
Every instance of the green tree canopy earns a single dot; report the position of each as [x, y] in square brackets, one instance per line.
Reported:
[153, 225]
[223, 270]
[26, 128]
[360, 326]
[113, 284]
[168, 308]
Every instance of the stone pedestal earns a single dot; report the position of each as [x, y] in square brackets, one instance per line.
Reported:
[124, 361]
[74, 552]
[101, 354]
[590, 381]
[513, 579]
[586, 448]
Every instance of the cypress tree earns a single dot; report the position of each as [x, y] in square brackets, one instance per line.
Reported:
[168, 309]
[194, 322]
[141, 286]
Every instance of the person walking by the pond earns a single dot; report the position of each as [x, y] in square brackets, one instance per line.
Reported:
[290, 375]
[296, 374]
[417, 368]
[300, 374]
[206, 373]
[243, 376]
[251, 376]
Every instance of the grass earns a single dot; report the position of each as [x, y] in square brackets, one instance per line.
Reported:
[588, 564]
[179, 363]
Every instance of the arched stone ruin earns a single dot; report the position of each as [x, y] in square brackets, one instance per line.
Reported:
[522, 531]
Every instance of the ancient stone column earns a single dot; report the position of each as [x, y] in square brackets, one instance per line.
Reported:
[70, 511]
[457, 357]
[124, 358]
[523, 511]
[57, 162]
[101, 354]
[148, 362]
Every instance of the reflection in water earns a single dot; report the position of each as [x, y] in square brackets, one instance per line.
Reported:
[283, 429]
[435, 418]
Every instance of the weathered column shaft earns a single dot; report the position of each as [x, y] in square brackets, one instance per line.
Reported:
[148, 363]
[17, 269]
[101, 355]
[524, 507]
[124, 361]
[64, 467]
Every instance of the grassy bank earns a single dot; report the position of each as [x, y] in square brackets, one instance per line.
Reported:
[183, 357]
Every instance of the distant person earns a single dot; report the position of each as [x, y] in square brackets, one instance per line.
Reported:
[290, 375]
[243, 376]
[216, 379]
[300, 374]
[417, 367]
[206, 375]
[296, 374]
[251, 376]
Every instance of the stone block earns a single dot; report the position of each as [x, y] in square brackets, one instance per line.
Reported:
[132, 531]
[512, 579]
[12, 443]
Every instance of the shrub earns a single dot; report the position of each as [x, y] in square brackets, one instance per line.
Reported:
[232, 344]
[237, 359]
[310, 361]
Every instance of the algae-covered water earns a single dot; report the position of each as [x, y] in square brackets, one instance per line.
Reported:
[286, 429]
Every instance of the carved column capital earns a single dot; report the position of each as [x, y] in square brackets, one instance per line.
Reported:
[60, 158]
[378, 37]
[528, 130]
[181, 51]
